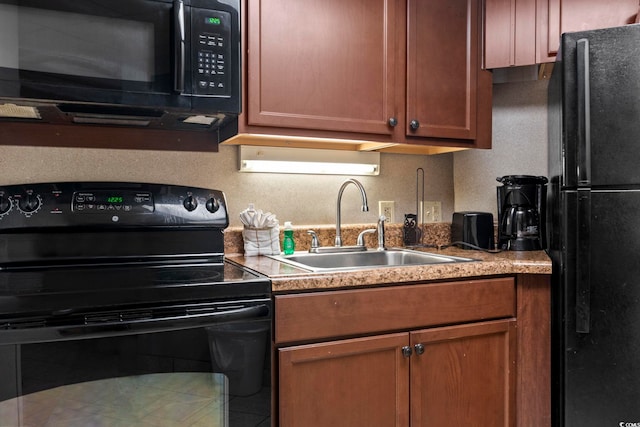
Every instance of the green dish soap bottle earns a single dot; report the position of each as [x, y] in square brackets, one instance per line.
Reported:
[288, 244]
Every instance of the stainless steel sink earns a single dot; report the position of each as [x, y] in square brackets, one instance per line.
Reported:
[365, 259]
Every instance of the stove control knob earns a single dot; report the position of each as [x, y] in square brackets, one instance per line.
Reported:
[29, 203]
[212, 205]
[5, 204]
[190, 203]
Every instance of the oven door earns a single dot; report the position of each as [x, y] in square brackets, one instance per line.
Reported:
[136, 53]
[209, 367]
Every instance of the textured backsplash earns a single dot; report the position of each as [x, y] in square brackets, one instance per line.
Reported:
[436, 234]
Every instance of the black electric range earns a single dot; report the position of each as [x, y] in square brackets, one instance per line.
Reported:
[82, 257]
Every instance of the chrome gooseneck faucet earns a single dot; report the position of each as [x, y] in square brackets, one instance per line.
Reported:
[365, 206]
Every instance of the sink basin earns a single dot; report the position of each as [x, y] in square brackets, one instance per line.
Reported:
[365, 259]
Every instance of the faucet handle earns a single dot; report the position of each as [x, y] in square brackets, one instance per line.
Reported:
[315, 243]
[360, 241]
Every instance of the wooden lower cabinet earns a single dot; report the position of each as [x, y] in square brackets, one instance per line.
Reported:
[465, 377]
[458, 353]
[457, 375]
[356, 382]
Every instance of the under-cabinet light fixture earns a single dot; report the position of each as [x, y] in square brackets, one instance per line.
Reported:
[308, 161]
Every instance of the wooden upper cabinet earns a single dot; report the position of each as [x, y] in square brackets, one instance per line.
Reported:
[366, 70]
[563, 16]
[509, 33]
[527, 32]
[442, 68]
[325, 65]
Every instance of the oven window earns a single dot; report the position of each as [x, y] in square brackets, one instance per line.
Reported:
[192, 377]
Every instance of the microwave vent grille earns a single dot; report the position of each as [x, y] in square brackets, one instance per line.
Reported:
[19, 111]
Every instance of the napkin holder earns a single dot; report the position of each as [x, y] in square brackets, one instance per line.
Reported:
[261, 241]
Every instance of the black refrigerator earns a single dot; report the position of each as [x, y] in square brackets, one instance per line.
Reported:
[593, 226]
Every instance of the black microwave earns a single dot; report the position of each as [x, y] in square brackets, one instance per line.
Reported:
[168, 63]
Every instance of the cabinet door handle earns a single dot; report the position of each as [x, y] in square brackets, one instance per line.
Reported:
[393, 122]
[406, 351]
[419, 348]
[414, 124]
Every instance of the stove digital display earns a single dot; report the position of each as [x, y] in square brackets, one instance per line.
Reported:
[111, 202]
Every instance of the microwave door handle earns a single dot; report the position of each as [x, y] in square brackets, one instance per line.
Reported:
[179, 39]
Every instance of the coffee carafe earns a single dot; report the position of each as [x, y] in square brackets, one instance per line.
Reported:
[521, 212]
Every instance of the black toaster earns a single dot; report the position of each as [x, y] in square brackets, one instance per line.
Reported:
[472, 228]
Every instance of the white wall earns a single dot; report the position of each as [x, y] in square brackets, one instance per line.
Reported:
[519, 146]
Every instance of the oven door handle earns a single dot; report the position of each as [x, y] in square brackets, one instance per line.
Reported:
[134, 327]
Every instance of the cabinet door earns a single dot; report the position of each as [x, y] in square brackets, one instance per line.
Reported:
[465, 377]
[356, 382]
[509, 33]
[563, 16]
[324, 65]
[442, 68]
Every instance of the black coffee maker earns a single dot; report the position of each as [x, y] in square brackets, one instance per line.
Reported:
[521, 212]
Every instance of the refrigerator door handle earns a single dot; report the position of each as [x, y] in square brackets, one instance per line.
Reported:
[584, 113]
[583, 262]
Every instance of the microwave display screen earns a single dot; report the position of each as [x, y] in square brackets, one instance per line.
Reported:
[77, 44]
[214, 20]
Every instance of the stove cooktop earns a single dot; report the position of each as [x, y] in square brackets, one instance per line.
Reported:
[60, 289]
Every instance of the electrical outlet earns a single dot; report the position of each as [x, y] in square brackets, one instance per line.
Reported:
[437, 212]
[432, 211]
[387, 209]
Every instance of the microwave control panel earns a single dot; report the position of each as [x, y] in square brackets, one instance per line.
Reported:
[211, 38]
